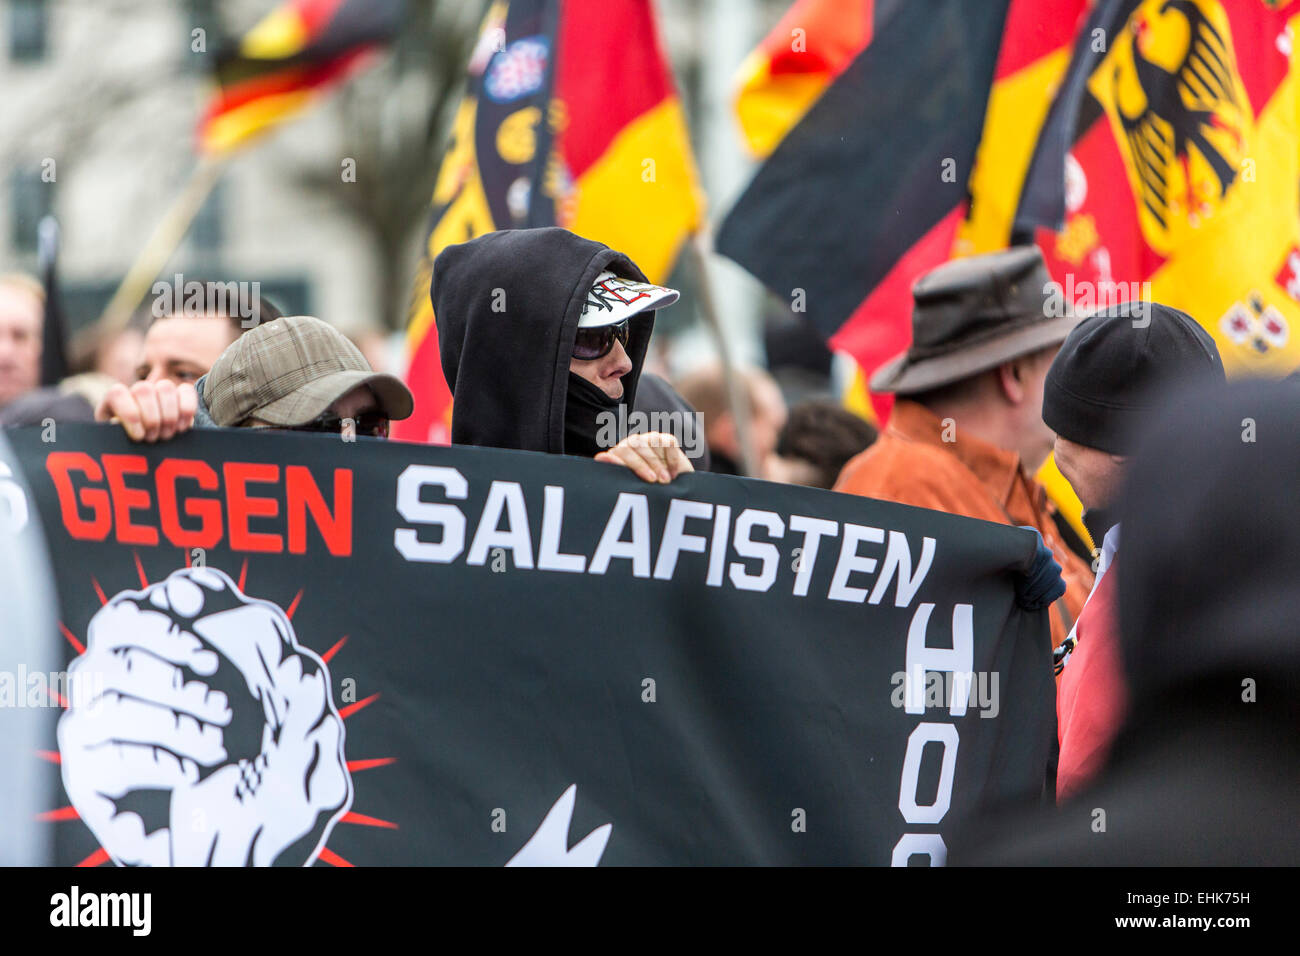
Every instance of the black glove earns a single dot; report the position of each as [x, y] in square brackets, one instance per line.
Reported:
[1042, 584]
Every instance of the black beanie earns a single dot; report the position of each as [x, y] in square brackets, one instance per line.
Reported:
[1113, 368]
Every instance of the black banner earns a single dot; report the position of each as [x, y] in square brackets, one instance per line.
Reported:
[287, 649]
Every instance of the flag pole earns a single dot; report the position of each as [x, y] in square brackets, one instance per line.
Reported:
[699, 245]
[168, 234]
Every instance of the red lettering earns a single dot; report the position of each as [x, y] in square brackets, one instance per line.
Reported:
[126, 500]
[208, 510]
[303, 495]
[60, 464]
[244, 506]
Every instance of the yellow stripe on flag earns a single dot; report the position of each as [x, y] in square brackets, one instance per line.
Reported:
[641, 197]
[280, 34]
[767, 106]
[858, 400]
[232, 128]
[1016, 110]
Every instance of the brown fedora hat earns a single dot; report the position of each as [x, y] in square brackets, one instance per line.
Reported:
[973, 314]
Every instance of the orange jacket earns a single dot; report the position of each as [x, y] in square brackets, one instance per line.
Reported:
[911, 463]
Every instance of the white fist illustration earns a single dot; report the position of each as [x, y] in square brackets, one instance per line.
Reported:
[202, 733]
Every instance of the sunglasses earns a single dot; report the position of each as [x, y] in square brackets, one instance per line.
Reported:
[598, 342]
[371, 424]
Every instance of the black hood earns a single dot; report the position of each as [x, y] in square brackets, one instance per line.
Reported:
[1209, 561]
[507, 306]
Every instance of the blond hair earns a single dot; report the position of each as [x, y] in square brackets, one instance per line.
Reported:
[28, 283]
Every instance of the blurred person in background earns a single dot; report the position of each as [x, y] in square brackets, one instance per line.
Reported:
[656, 395]
[966, 435]
[184, 334]
[1112, 375]
[294, 373]
[706, 390]
[818, 439]
[375, 345]
[542, 336]
[1206, 766]
[22, 311]
[114, 355]
[99, 359]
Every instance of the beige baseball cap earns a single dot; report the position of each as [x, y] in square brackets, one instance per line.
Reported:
[289, 370]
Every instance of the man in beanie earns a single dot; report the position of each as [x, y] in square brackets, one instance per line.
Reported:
[295, 373]
[1110, 377]
[1206, 768]
[966, 434]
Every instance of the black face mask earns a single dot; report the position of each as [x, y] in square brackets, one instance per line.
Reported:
[581, 421]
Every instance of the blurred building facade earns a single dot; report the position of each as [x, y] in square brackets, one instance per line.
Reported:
[101, 103]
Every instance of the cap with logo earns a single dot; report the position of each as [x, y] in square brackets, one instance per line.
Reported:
[288, 371]
[612, 299]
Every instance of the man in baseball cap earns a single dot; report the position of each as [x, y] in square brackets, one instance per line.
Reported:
[966, 435]
[295, 373]
[1113, 375]
[542, 336]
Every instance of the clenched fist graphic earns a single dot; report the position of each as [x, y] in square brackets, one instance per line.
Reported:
[203, 733]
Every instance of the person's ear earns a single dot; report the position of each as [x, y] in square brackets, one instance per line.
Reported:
[1011, 381]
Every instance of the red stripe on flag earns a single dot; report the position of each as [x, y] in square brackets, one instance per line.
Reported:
[615, 43]
[316, 13]
[428, 423]
[881, 327]
[1036, 28]
[832, 33]
[1256, 35]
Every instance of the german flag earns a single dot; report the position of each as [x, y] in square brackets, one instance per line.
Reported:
[571, 119]
[896, 136]
[294, 53]
[1169, 170]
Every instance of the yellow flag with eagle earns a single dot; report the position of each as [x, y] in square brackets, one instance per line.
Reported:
[1170, 171]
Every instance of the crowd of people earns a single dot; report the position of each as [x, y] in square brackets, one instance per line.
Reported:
[544, 335]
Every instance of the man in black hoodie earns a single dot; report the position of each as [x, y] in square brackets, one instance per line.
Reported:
[543, 334]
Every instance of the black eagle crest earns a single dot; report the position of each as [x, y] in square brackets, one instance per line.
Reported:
[1204, 78]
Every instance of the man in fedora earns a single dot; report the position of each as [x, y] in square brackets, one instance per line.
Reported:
[967, 435]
